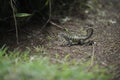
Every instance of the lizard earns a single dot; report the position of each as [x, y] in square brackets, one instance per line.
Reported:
[81, 40]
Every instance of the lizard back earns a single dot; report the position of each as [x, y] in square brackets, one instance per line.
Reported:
[76, 37]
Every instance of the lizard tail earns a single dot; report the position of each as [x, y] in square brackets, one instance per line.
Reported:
[89, 33]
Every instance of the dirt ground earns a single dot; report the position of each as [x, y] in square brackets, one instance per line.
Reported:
[105, 21]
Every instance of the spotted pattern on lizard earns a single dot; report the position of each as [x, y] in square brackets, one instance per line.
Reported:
[72, 40]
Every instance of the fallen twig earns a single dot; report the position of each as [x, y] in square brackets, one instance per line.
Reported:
[92, 57]
[60, 27]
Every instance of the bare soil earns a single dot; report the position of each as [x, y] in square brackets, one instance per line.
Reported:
[105, 21]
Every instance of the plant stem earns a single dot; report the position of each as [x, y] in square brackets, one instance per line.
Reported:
[15, 22]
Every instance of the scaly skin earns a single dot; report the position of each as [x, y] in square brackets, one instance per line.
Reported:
[76, 39]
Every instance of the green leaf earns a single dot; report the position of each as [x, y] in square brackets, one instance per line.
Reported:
[47, 2]
[22, 15]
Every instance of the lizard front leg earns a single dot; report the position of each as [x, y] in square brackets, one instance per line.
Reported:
[69, 43]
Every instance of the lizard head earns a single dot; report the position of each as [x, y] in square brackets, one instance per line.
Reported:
[61, 34]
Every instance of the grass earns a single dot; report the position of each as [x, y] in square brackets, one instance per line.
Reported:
[22, 66]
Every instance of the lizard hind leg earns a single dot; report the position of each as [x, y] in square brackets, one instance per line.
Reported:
[81, 42]
[89, 43]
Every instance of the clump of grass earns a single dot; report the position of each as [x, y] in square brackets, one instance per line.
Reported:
[21, 67]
